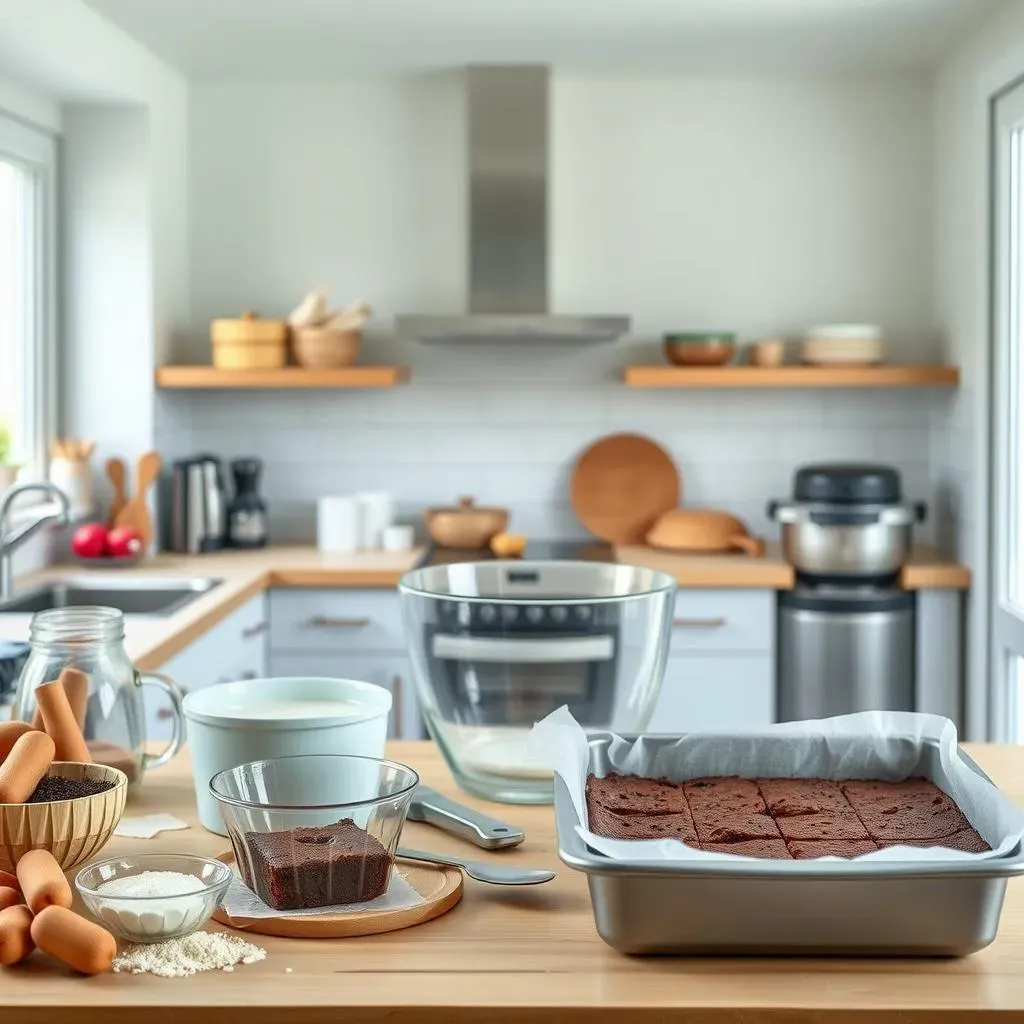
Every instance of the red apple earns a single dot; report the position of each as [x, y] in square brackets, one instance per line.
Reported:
[90, 541]
[123, 542]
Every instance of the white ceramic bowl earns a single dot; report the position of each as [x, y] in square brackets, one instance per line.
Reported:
[260, 719]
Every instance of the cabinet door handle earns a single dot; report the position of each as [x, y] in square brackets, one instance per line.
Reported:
[333, 622]
[698, 623]
[396, 704]
[249, 632]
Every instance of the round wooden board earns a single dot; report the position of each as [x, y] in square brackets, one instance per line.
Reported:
[620, 486]
[440, 886]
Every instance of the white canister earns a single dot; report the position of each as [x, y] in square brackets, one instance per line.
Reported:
[256, 719]
[339, 524]
[378, 513]
[74, 478]
[397, 538]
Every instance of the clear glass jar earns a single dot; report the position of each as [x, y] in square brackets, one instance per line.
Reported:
[91, 639]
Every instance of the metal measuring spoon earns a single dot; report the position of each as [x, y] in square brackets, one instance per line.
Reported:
[496, 874]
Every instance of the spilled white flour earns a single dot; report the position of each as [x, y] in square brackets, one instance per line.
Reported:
[178, 958]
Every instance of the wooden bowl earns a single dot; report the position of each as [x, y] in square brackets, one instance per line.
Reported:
[72, 830]
[465, 526]
[321, 348]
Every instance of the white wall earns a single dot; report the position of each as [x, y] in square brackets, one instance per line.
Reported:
[31, 105]
[760, 205]
[964, 87]
[108, 279]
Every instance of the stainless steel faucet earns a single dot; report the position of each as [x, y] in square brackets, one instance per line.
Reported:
[10, 542]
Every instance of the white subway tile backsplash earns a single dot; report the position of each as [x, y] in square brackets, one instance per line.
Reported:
[506, 427]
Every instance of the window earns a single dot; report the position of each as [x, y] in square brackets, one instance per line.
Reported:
[27, 259]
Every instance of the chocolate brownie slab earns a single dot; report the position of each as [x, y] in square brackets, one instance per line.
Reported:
[724, 793]
[766, 849]
[631, 794]
[811, 849]
[967, 841]
[614, 825]
[839, 826]
[787, 798]
[733, 826]
[898, 811]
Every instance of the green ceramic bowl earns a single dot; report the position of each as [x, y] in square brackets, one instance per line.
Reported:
[700, 348]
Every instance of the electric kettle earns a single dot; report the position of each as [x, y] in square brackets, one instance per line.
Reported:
[198, 506]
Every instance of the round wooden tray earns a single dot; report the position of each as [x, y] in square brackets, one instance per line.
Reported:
[620, 486]
[440, 887]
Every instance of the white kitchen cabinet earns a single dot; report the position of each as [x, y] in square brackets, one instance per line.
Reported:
[235, 648]
[715, 692]
[335, 620]
[389, 669]
[723, 620]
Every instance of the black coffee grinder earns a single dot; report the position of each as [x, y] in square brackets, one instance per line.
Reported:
[247, 513]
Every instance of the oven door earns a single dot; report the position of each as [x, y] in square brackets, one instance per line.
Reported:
[517, 680]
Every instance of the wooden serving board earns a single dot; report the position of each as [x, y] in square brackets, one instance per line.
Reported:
[440, 887]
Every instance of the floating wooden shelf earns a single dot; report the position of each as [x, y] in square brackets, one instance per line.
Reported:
[288, 377]
[791, 376]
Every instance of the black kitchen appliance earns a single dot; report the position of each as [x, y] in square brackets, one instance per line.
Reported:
[197, 506]
[247, 513]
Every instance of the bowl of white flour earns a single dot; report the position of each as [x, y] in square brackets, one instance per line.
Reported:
[153, 897]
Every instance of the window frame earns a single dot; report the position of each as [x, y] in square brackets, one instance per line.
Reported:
[36, 151]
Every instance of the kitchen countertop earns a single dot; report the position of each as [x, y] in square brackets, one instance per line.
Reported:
[153, 641]
[530, 955]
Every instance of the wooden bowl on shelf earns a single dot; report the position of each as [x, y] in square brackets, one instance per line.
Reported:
[322, 348]
[700, 348]
[72, 830]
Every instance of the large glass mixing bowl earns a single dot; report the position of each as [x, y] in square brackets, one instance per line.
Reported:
[496, 646]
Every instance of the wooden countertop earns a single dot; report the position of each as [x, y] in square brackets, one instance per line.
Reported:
[925, 570]
[153, 641]
[531, 955]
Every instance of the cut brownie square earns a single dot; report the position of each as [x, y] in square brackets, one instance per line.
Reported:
[897, 811]
[766, 849]
[303, 868]
[842, 826]
[630, 794]
[614, 825]
[724, 793]
[787, 798]
[811, 849]
[733, 826]
[967, 841]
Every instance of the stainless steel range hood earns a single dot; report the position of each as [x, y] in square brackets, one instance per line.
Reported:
[508, 221]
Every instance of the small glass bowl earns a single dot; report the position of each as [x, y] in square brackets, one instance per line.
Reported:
[154, 918]
[315, 830]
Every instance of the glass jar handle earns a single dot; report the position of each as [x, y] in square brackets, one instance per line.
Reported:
[174, 694]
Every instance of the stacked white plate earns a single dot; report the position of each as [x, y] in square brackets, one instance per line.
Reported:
[843, 344]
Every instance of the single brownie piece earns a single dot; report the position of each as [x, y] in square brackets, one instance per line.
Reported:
[630, 794]
[733, 826]
[967, 841]
[788, 798]
[845, 825]
[811, 849]
[724, 793]
[315, 867]
[897, 811]
[765, 849]
[614, 825]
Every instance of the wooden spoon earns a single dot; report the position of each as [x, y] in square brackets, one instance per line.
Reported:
[116, 474]
[136, 513]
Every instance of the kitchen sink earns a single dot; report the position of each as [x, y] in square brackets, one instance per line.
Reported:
[135, 596]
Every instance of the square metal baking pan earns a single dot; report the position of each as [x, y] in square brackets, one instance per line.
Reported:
[841, 908]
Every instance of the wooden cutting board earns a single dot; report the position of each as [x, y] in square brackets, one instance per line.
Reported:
[620, 486]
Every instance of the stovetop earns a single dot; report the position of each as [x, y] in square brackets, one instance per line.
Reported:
[558, 550]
